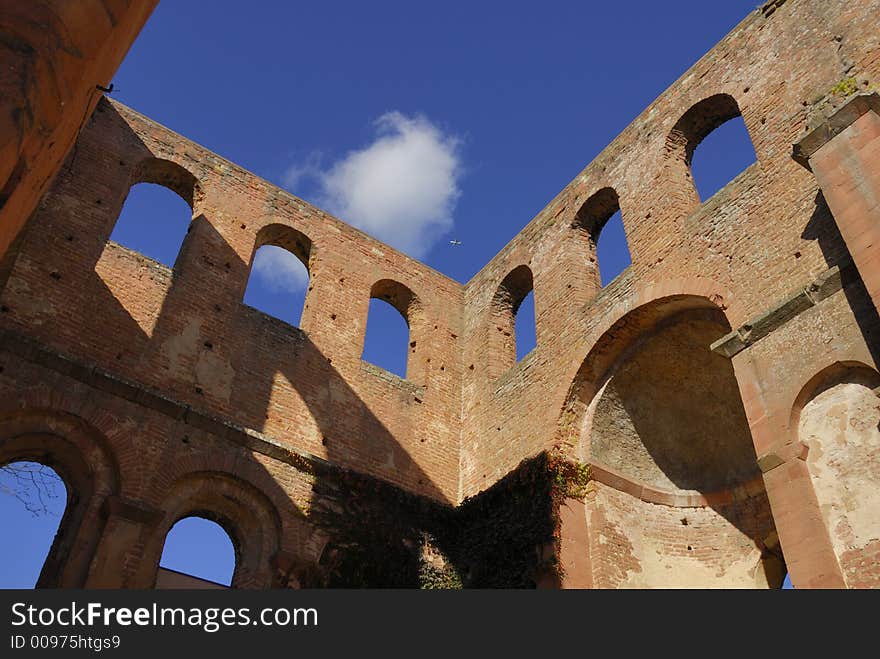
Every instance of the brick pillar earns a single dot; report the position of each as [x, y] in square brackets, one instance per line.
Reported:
[121, 547]
[844, 155]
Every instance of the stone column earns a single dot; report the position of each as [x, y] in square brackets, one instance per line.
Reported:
[844, 155]
[121, 547]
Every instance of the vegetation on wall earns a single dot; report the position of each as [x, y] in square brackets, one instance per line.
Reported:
[505, 537]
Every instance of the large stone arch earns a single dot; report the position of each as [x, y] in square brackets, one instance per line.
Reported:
[678, 499]
[82, 457]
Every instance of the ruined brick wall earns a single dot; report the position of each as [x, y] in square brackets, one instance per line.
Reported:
[186, 333]
[695, 384]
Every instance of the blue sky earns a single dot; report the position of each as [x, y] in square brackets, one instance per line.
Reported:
[418, 124]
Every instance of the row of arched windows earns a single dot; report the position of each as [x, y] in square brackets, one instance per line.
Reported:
[713, 142]
[150, 223]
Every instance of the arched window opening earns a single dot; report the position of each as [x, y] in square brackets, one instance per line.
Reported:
[601, 223]
[716, 124]
[33, 499]
[279, 277]
[154, 221]
[721, 156]
[512, 335]
[612, 250]
[524, 326]
[198, 553]
[387, 340]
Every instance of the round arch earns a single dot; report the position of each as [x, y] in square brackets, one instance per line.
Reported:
[81, 456]
[244, 512]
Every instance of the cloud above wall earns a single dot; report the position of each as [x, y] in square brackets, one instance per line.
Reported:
[280, 270]
[402, 188]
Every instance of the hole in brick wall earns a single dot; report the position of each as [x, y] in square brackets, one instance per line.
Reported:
[524, 326]
[277, 284]
[612, 250]
[721, 156]
[513, 314]
[154, 221]
[600, 224]
[200, 548]
[33, 498]
[386, 341]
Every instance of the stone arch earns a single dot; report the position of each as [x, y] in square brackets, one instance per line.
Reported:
[505, 303]
[82, 457]
[588, 223]
[409, 306]
[836, 415]
[631, 315]
[176, 179]
[701, 119]
[678, 499]
[243, 511]
[286, 237]
[695, 125]
[300, 246]
[171, 175]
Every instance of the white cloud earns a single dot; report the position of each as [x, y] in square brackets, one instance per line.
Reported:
[280, 270]
[309, 168]
[401, 189]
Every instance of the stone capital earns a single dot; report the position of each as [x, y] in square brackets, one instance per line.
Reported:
[835, 124]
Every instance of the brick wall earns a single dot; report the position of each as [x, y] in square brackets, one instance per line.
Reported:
[194, 392]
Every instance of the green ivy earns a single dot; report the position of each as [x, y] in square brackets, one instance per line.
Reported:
[504, 537]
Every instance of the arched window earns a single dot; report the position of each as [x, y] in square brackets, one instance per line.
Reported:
[158, 211]
[198, 553]
[387, 340]
[279, 277]
[524, 326]
[715, 125]
[508, 345]
[33, 499]
[600, 222]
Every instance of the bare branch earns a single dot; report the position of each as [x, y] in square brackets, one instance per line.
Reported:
[34, 485]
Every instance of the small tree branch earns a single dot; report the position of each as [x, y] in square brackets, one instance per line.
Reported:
[34, 485]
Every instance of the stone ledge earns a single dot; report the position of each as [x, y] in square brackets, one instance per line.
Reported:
[839, 121]
[606, 475]
[827, 284]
